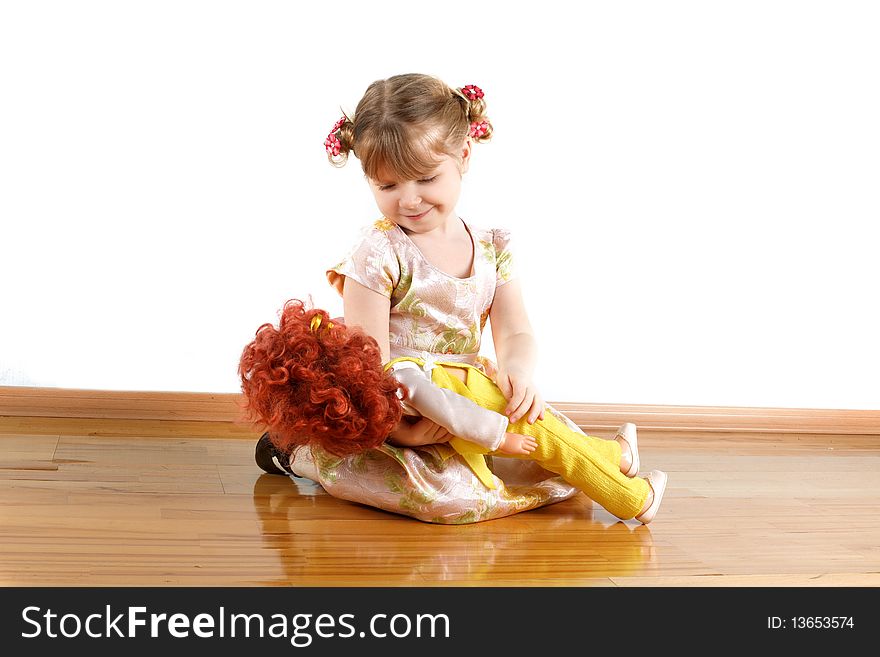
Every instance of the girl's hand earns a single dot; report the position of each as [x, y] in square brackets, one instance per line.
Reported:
[423, 432]
[522, 396]
[517, 444]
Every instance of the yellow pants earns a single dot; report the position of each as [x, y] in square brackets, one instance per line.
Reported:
[588, 463]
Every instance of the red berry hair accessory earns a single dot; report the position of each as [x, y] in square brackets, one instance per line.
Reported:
[472, 92]
[478, 129]
[332, 143]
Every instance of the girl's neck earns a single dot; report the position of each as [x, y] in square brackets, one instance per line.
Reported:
[449, 229]
[447, 248]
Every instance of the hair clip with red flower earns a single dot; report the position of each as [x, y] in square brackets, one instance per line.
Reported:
[478, 129]
[472, 92]
[332, 144]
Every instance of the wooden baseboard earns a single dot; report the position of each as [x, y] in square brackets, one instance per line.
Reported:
[725, 419]
[157, 407]
[121, 405]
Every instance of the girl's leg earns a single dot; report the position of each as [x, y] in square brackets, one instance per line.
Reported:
[269, 458]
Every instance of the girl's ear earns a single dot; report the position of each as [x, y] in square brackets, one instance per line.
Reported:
[465, 156]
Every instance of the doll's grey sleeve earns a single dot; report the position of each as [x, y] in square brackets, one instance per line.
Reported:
[462, 417]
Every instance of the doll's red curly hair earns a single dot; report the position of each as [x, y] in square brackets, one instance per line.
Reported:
[316, 381]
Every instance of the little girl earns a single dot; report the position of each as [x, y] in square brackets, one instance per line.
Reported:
[422, 282]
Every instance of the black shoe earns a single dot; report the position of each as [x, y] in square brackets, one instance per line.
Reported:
[269, 458]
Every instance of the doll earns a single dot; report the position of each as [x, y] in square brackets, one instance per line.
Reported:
[315, 381]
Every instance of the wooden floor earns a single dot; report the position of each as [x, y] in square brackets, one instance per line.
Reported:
[100, 502]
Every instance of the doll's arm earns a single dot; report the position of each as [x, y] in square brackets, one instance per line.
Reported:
[457, 414]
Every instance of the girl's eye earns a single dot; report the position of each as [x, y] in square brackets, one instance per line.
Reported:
[385, 188]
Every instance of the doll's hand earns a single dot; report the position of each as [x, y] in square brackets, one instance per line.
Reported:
[423, 432]
[517, 444]
[523, 398]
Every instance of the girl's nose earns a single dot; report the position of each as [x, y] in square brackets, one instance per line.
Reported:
[410, 199]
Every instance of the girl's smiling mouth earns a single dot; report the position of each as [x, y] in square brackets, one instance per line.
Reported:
[415, 217]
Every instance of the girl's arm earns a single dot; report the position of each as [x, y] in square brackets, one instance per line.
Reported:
[517, 353]
[422, 432]
[368, 309]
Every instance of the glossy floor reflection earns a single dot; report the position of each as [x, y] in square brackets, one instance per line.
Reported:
[322, 539]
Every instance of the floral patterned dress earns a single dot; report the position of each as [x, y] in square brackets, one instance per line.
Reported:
[443, 317]
[431, 311]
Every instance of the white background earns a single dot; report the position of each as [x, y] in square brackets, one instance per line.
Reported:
[693, 185]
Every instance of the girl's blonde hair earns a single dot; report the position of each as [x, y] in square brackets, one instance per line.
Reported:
[403, 124]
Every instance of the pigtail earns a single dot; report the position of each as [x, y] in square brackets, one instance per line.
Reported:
[479, 127]
[340, 141]
[346, 137]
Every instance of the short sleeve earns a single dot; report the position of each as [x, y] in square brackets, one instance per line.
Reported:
[504, 270]
[372, 262]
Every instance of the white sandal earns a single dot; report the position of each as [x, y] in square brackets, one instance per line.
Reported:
[657, 481]
[629, 434]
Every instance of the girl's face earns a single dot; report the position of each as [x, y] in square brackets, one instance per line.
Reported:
[423, 205]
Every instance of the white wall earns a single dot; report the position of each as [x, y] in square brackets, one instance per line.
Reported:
[694, 185]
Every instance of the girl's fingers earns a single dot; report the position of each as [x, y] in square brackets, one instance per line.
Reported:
[537, 410]
[516, 401]
[505, 387]
[518, 412]
[520, 409]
